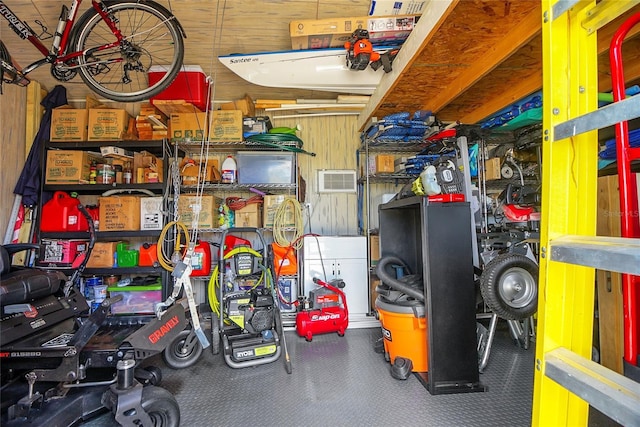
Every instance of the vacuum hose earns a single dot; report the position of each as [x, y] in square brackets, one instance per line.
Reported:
[392, 282]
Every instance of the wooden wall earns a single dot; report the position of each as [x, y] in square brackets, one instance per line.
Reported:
[213, 28]
[12, 134]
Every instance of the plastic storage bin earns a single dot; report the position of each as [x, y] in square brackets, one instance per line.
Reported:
[136, 299]
[265, 167]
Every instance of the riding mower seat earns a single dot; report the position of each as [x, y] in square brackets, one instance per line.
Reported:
[23, 285]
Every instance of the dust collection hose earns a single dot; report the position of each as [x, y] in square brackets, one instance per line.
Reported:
[392, 282]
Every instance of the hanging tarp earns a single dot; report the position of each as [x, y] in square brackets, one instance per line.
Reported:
[28, 185]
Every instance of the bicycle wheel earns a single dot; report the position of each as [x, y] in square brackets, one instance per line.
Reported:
[152, 38]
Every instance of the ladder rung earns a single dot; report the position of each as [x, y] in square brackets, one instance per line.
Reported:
[617, 254]
[614, 395]
[609, 115]
[561, 6]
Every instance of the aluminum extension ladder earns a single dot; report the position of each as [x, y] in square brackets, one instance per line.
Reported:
[566, 380]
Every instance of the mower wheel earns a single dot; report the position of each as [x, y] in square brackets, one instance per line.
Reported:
[215, 337]
[184, 350]
[161, 406]
[149, 375]
[509, 286]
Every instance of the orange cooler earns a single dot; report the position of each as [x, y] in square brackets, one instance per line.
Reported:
[404, 328]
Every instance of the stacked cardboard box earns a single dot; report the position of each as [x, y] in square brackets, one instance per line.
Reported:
[151, 123]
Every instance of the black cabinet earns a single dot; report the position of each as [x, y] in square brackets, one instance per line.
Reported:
[435, 239]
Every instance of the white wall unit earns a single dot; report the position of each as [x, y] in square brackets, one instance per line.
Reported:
[344, 257]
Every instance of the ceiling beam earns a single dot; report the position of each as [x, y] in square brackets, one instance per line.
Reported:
[432, 18]
[495, 55]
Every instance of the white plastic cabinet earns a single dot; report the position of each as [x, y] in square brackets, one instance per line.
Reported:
[344, 257]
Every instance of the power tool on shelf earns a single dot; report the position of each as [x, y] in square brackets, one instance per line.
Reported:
[360, 50]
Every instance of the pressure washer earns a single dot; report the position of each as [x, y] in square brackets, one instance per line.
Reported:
[248, 326]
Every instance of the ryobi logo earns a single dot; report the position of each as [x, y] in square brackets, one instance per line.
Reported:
[244, 354]
[386, 334]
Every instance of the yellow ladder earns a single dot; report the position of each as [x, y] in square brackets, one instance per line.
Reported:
[566, 380]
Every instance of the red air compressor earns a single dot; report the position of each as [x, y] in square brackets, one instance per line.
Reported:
[327, 311]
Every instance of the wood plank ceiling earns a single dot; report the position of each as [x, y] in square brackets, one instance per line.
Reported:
[477, 57]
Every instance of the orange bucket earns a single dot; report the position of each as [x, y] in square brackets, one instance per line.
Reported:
[404, 328]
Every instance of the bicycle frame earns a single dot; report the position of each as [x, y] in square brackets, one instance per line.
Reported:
[57, 55]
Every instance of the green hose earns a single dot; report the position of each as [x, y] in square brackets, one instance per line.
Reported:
[276, 140]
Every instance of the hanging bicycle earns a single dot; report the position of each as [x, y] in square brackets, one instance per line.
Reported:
[112, 46]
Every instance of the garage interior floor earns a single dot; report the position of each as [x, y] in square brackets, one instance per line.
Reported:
[342, 381]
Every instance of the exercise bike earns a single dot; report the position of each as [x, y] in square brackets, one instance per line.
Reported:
[60, 366]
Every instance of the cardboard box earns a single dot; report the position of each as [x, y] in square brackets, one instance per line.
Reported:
[151, 213]
[384, 163]
[492, 168]
[246, 105]
[116, 153]
[108, 124]
[393, 7]
[226, 126]
[68, 124]
[147, 168]
[270, 206]
[187, 126]
[249, 216]
[334, 32]
[374, 249]
[69, 166]
[191, 171]
[208, 212]
[102, 255]
[60, 253]
[119, 213]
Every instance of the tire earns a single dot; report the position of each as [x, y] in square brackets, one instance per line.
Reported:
[215, 336]
[184, 350]
[161, 407]
[509, 286]
[149, 375]
[153, 37]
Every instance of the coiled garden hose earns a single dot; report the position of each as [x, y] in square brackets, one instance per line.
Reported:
[279, 140]
[168, 263]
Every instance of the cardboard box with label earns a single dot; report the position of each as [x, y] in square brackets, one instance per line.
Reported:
[187, 126]
[270, 206]
[394, 7]
[151, 213]
[102, 255]
[249, 216]
[68, 124]
[119, 213]
[334, 32]
[208, 210]
[108, 124]
[69, 166]
[226, 126]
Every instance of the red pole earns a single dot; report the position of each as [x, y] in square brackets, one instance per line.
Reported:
[630, 216]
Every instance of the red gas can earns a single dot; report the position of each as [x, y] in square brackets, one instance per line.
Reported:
[61, 213]
[201, 260]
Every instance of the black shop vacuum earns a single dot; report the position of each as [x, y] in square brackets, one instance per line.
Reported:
[401, 311]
